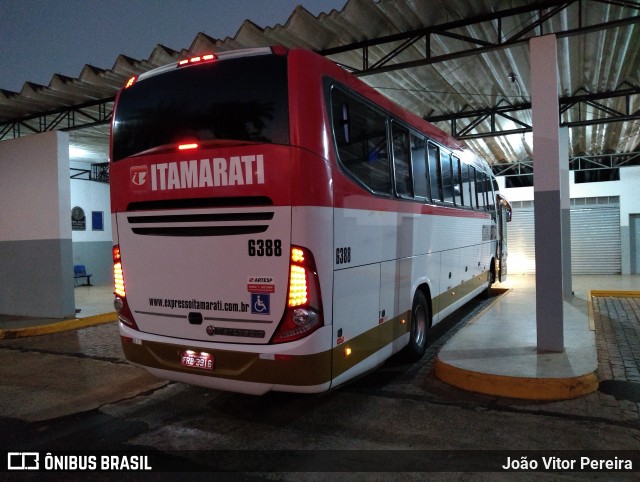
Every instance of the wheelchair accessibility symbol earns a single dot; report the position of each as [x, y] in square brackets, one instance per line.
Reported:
[260, 304]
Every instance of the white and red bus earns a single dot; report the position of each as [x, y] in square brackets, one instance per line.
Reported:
[279, 225]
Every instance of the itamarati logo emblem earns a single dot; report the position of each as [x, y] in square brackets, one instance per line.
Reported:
[139, 176]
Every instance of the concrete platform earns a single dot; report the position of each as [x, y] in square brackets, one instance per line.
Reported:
[496, 353]
[94, 305]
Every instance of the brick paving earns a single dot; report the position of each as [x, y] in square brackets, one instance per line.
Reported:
[617, 322]
[101, 342]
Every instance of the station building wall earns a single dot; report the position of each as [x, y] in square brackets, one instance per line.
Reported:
[35, 232]
[92, 244]
[628, 191]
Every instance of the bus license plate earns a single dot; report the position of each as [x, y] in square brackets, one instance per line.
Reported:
[197, 360]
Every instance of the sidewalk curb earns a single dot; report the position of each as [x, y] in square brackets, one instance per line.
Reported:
[526, 388]
[64, 325]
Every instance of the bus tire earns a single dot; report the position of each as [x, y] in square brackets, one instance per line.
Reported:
[420, 326]
[492, 277]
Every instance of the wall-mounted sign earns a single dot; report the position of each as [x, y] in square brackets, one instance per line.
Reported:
[78, 219]
[97, 220]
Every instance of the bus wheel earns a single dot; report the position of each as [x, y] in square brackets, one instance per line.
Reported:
[420, 325]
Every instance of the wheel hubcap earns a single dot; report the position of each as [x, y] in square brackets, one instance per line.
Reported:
[419, 325]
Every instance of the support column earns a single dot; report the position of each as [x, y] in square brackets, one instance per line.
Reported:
[546, 192]
[565, 206]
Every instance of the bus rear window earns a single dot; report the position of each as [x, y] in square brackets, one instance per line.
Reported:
[243, 99]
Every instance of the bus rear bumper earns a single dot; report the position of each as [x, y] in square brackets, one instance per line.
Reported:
[247, 369]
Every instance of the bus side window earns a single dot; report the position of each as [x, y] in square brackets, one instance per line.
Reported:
[492, 194]
[481, 189]
[466, 185]
[473, 184]
[447, 178]
[362, 148]
[402, 161]
[457, 183]
[435, 182]
[419, 165]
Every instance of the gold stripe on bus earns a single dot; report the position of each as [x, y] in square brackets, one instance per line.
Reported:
[297, 370]
[453, 295]
[369, 342]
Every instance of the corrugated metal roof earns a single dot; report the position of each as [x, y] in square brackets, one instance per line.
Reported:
[603, 60]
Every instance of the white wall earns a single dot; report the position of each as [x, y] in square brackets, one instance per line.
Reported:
[35, 230]
[92, 248]
[627, 188]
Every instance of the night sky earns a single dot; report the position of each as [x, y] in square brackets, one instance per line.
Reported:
[39, 38]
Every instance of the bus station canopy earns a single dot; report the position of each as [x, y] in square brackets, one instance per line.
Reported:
[461, 65]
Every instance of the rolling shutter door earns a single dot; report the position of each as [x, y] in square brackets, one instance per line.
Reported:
[595, 239]
[520, 242]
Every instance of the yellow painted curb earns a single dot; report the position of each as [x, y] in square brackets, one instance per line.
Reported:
[604, 293]
[517, 387]
[64, 325]
[615, 293]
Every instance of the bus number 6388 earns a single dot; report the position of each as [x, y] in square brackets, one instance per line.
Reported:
[265, 247]
[343, 255]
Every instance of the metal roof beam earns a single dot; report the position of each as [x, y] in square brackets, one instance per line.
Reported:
[580, 101]
[576, 163]
[76, 117]
[519, 37]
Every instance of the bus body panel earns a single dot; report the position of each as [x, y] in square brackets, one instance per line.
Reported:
[301, 366]
[206, 292]
[210, 273]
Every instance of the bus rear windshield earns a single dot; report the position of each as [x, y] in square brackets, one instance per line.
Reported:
[242, 99]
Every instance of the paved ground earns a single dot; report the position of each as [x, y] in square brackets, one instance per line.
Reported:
[617, 320]
[618, 341]
[74, 389]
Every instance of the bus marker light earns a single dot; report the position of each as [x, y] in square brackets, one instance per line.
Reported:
[347, 351]
[297, 255]
[197, 59]
[131, 81]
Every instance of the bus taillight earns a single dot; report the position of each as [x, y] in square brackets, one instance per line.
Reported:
[304, 313]
[120, 303]
[118, 276]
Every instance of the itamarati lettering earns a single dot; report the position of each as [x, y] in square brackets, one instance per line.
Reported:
[219, 171]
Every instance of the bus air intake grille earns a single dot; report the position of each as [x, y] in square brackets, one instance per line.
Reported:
[191, 231]
[197, 218]
[198, 203]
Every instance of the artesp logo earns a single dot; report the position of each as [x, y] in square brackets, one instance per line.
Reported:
[264, 279]
[23, 461]
[139, 176]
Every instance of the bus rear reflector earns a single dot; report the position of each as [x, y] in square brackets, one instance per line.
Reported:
[303, 314]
